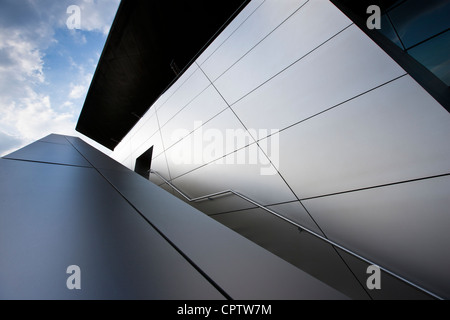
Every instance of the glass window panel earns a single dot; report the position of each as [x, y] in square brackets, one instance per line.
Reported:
[418, 20]
[434, 54]
[388, 31]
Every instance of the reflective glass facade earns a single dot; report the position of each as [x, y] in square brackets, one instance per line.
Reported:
[422, 29]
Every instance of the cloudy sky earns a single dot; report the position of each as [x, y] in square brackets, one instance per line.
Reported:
[46, 67]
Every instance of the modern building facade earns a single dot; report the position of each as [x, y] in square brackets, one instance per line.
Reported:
[316, 129]
[76, 224]
[309, 110]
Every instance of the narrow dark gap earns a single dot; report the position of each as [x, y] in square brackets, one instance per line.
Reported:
[144, 163]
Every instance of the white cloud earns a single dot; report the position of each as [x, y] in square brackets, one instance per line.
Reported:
[77, 91]
[8, 143]
[37, 117]
[27, 29]
[96, 15]
[25, 114]
[23, 61]
[32, 117]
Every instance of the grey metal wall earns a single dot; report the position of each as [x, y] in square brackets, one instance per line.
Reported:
[358, 150]
[63, 203]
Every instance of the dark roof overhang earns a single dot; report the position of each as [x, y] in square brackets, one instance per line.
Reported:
[149, 46]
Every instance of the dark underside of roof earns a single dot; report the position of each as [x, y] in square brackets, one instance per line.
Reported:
[149, 46]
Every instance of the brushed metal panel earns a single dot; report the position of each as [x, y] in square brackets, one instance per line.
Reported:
[312, 25]
[301, 249]
[249, 9]
[155, 141]
[156, 180]
[95, 157]
[159, 164]
[217, 205]
[244, 177]
[129, 163]
[54, 138]
[122, 151]
[192, 87]
[220, 136]
[172, 89]
[264, 20]
[402, 227]
[50, 152]
[391, 287]
[341, 69]
[146, 130]
[223, 204]
[395, 133]
[205, 106]
[149, 114]
[240, 267]
[56, 216]
[297, 213]
[168, 188]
